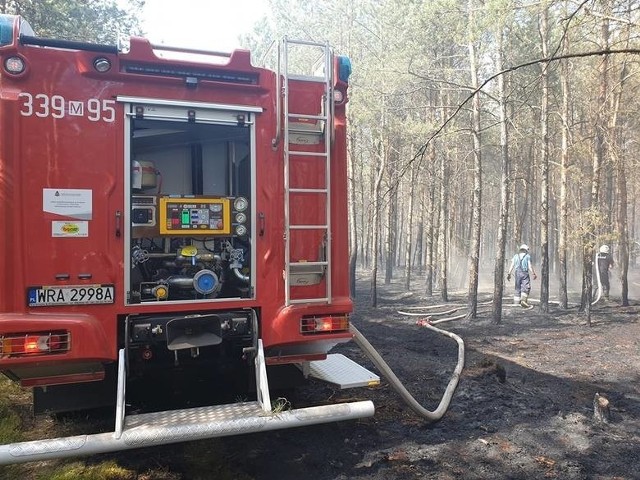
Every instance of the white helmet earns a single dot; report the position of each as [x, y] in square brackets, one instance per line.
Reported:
[524, 246]
[604, 249]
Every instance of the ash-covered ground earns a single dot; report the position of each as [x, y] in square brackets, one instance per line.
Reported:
[523, 408]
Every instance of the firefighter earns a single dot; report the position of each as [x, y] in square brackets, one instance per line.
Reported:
[604, 263]
[522, 265]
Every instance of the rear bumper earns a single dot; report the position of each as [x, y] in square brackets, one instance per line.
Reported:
[161, 428]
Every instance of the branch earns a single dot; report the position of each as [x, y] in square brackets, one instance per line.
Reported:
[609, 51]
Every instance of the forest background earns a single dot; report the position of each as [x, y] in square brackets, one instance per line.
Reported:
[475, 126]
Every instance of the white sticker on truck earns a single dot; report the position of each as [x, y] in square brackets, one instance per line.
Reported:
[56, 106]
[73, 203]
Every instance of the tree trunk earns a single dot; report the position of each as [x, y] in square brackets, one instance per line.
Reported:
[429, 241]
[382, 156]
[564, 165]
[418, 260]
[392, 220]
[443, 214]
[621, 178]
[598, 157]
[407, 255]
[476, 230]
[544, 163]
[498, 285]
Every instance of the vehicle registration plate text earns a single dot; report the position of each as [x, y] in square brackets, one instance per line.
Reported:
[70, 295]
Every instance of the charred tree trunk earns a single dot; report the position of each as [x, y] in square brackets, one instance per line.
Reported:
[498, 286]
[418, 260]
[564, 165]
[392, 228]
[407, 282]
[599, 150]
[375, 237]
[442, 213]
[544, 164]
[619, 163]
[429, 241]
[443, 225]
[623, 233]
[474, 257]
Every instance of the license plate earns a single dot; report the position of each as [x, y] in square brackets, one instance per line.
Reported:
[70, 295]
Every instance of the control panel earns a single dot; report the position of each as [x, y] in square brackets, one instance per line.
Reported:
[194, 216]
[143, 216]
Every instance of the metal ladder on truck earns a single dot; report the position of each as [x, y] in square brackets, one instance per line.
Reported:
[295, 128]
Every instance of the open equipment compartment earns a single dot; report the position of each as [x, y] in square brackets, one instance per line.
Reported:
[190, 235]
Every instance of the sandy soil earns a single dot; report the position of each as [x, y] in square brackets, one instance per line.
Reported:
[523, 408]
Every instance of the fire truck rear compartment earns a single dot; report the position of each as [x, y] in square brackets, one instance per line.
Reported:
[190, 200]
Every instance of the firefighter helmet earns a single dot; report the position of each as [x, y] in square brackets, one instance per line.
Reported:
[524, 246]
[604, 249]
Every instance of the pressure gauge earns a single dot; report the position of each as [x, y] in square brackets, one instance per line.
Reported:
[241, 217]
[240, 204]
[241, 230]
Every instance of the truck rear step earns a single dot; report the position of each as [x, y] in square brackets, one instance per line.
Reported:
[342, 371]
[159, 428]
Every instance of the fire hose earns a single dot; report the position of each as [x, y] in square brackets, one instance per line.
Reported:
[397, 385]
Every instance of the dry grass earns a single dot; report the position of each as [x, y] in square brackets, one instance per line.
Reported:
[17, 423]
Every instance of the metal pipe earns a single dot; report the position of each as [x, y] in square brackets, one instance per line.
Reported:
[276, 139]
[212, 53]
[240, 275]
[397, 385]
[180, 281]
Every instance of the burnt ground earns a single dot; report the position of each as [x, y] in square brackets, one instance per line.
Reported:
[523, 408]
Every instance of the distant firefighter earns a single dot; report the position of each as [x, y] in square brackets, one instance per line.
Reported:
[522, 265]
[604, 263]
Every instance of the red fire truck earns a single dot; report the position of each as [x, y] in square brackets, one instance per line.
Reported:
[170, 214]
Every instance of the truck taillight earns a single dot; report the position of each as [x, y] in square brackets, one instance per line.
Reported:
[324, 324]
[34, 343]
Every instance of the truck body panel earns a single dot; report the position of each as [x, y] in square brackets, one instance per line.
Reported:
[169, 204]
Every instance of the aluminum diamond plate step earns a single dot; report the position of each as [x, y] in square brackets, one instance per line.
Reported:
[182, 425]
[342, 371]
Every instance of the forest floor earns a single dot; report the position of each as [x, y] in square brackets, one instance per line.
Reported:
[523, 408]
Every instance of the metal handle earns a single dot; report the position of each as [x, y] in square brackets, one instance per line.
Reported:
[198, 51]
[275, 140]
[262, 222]
[118, 221]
